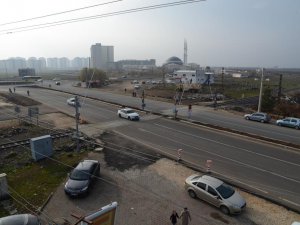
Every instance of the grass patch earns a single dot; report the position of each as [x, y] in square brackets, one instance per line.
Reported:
[35, 181]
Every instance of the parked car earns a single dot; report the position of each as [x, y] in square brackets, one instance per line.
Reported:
[129, 114]
[289, 122]
[215, 192]
[259, 116]
[57, 82]
[20, 219]
[82, 177]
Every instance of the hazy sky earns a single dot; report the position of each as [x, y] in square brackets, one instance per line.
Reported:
[263, 33]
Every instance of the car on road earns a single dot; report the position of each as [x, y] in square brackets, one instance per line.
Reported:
[20, 219]
[57, 82]
[289, 122]
[82, 177]
[128, 113]
[215, 192]
[71, 101]
[137, 86]
[258, 116]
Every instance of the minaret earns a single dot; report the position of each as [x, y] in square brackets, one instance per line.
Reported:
[185, 53]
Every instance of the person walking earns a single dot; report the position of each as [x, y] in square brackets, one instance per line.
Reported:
[28, 92]
[185, 216]
[14, 89]
[190, 111]
[174, 216]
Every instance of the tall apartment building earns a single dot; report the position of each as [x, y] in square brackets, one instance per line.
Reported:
[79, 63]
[102, 56]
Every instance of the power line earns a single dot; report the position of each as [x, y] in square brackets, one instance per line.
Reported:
[156, 195]
[59, 13]
[33, 206]
[80, 19]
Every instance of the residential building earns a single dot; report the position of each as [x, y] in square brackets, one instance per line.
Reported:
[101, 56]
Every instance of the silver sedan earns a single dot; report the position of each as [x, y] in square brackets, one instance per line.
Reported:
[215, 192]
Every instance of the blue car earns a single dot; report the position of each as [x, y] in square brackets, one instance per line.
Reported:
[289, 122]
[259, 116]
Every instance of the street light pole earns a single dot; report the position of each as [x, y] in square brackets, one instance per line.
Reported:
[77, 116]
[261, 90]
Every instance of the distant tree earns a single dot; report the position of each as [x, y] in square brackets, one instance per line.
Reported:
[268, 101]
[87, 74]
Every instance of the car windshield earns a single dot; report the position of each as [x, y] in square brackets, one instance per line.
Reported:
[129, 111]
[225, 191]
[79, 175]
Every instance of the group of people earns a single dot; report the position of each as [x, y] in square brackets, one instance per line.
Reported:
[184, 216]
[10, 91]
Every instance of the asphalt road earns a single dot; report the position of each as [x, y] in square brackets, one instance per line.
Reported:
[199, 113]
[266, 168]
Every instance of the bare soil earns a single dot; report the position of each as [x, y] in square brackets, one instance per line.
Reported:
[123, 154]
[18, 99]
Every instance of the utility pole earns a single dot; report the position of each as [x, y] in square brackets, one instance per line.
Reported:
[143, 100]
[222, 80]
[77, 115]
[280, 87]
[86, 77]
[261, 89]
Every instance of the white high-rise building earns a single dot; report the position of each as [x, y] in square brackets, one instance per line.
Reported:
[102, 56]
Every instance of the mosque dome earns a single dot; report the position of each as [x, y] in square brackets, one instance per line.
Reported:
[174, 60]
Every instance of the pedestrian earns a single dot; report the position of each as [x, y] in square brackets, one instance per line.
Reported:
[190, 111]
[9, 90]
[185, 216]
[175, 111]
[28, 92]
[14, 89]
[125, 90]
[174, 216]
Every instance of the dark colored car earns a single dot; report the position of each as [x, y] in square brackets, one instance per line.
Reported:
[21, 219]
[82, 177]
[259, 116]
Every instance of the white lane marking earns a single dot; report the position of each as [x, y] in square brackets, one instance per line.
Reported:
[231, 146]
[289, 201]
[229, 159]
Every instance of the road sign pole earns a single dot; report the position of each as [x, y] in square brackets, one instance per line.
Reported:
[77, 122]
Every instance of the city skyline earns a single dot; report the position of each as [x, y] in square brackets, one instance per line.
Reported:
[257, 33]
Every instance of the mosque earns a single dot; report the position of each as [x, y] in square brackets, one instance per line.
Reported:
[190, 74]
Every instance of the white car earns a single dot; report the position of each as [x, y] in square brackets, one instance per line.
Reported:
[128, 113]
[71, 101]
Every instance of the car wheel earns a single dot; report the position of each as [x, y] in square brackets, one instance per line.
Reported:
[262, 121]
[192, 194]
[297, 127]
[120, 115]
[129, 118]
[224, 209]
[279, 124]
[247, 118]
